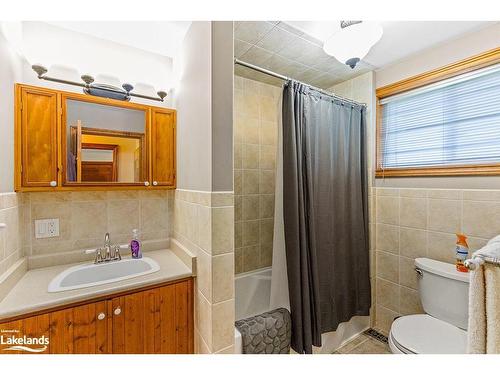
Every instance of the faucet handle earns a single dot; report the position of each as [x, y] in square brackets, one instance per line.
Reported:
[117, 253]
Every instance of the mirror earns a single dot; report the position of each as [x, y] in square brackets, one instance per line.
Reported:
[105, 144]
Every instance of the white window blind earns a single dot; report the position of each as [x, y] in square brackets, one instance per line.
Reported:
[450, 123]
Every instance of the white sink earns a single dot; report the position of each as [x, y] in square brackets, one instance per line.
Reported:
[87, 275]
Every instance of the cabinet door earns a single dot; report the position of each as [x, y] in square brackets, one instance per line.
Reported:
[163, 147]
[80, 330]
[38, 128]
[154, 321]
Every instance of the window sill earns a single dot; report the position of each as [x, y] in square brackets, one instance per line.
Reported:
[469, 170]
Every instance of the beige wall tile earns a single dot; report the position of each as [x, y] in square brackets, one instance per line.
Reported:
[388, 294]
[251, 131]
[238, 207]
[250, 156]
[238, 156]
[410, 301]
[413, 212]
[203, 319]
[123, 216]
[266, 182]
[222, 277]
[250, 181]
[222, 230]
[266, 231]
[266, 206]
[154, 215]
[222, 332]
[387, 238]
[251, 207]
[204, 228]
[407, 274]
[268, 132]
[238, 260]
[481, 218]
[413, 193]
[251, 258]
[387, 209]
[267, 157]
[441, 246]
[444, 215]
[413, 243]
[266, 255]
[444, 194]
[388, 266]
[238, 234]
[237, 182]
[385, 317]
[481, 195]
[251, 232]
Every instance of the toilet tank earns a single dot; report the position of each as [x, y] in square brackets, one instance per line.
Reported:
[444, 292]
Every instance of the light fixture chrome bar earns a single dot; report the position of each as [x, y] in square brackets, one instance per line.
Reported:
[41, 73]
[280, 76]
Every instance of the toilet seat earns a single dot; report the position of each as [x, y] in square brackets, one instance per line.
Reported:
[424, 334]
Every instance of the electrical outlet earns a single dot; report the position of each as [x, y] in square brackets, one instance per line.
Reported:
[46, 228]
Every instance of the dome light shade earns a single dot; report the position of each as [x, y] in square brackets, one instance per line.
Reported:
[353, 41]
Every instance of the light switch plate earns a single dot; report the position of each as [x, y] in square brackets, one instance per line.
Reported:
[46, 228]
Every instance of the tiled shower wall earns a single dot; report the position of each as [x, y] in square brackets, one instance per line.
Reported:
[412, 223]
[256, 114]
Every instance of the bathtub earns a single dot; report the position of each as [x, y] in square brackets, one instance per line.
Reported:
[252, 296]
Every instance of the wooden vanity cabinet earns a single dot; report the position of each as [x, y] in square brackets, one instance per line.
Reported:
[163, 147]
[152, 321]
[37, 120]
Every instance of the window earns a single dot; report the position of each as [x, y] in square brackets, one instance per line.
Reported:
[448, 127]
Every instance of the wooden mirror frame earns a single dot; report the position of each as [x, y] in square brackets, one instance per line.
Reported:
[104, 101]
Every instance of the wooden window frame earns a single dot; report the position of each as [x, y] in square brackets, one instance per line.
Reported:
[470, 64]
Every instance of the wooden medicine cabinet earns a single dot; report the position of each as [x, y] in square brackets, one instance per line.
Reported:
[71, 141]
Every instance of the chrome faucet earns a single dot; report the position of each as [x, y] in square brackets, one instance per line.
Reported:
[107, 253]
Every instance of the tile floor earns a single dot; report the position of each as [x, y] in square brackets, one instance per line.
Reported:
[364, 344]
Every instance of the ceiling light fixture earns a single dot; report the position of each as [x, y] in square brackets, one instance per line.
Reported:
[353, 41]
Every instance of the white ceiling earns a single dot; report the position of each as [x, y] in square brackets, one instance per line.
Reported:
[400, 38]
[160, 37]
[294, 48]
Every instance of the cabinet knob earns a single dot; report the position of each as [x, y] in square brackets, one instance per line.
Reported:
[146, 183]
[53, 183]
[118, 311]
[101, 316]
[155, 183]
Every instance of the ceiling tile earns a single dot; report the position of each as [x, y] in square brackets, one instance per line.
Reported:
[308, 74]
[284, 26]
[252, 31]
[276, 40]
[256, 56]
[240, 47]
[296, 48]
[310, 54]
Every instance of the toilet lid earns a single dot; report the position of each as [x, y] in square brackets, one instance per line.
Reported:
[424, 334]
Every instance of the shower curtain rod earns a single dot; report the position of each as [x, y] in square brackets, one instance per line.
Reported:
[280, 76]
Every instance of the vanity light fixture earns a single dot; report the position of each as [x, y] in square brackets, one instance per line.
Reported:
[353, 41]
[96, 89]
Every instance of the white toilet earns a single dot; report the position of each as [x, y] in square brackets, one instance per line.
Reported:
[444, 293]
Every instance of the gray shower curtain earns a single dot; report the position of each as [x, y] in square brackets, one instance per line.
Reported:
[325, 205]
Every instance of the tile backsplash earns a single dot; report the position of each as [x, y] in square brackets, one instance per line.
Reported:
[255, 135]
[10, 245]
[84, 218]
[412, 223]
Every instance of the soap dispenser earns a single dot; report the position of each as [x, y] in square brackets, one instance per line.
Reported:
[135, 245]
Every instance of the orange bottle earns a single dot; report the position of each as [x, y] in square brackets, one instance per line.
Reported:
[461, 250]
